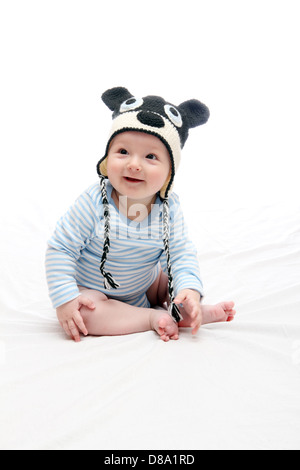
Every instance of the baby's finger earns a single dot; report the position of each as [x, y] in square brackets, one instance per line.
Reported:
[196, 323]
[192, 308]
[74, 331]
[180, 298]
[80, 324]
[195, 326]
[66, 328]
[86, 302]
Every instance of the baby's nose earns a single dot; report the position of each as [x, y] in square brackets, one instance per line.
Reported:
[134, 164]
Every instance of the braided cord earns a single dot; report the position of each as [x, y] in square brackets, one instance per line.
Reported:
[173, 309]
[109, 282]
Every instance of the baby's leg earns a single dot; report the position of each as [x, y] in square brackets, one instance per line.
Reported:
[221, 312]
[158, 292]
[112, 317]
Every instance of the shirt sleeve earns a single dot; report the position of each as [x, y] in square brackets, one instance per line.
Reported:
[183, 253]
[73, 232]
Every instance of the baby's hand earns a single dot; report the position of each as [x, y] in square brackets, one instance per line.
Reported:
[70, 319]
[190, 299]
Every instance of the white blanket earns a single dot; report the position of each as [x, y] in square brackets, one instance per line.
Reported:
[233, 386]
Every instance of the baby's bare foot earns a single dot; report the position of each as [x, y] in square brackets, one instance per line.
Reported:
[218, 313]
[164, 325]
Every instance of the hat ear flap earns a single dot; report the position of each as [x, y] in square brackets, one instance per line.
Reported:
[114, 97]
[102, 167]
[196, 113]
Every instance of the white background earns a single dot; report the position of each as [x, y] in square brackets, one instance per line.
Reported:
[239, 57]
[238, 183]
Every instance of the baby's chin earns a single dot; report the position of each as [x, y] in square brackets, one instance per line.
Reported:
[138, 191]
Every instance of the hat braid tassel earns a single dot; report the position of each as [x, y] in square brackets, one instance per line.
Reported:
[173, 308]
[109, 282]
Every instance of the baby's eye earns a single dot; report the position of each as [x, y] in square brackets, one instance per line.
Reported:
[123, 152]
[151, 156]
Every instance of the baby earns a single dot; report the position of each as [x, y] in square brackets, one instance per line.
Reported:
[120, 260]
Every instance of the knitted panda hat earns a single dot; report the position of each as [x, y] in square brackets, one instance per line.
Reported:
[153, 115]
[171, 124]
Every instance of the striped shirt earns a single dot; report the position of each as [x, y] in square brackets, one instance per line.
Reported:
[136, 250]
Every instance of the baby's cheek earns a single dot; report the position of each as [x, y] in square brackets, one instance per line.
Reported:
[113, 171]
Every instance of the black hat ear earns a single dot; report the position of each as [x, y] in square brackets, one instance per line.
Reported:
[114, 97]
[195, 112]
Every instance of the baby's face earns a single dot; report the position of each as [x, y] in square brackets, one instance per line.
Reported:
[138, 165]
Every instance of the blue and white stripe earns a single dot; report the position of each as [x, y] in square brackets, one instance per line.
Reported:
[136, 251]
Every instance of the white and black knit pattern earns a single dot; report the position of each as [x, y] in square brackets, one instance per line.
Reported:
[109, 282]
[173, 308]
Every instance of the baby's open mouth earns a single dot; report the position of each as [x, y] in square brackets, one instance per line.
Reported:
[132, 180]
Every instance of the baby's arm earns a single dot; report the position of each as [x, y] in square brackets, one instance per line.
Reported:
[72, 233]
